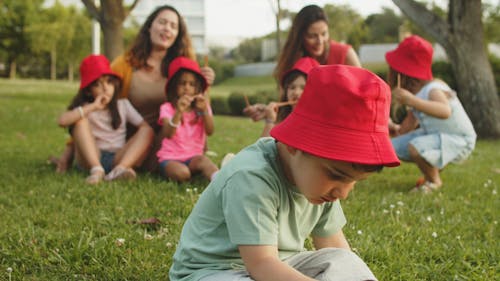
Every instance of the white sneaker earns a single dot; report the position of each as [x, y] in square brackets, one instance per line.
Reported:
[226, 159]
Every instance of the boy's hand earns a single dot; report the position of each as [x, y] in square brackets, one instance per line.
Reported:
[184, 103]
[255, 111]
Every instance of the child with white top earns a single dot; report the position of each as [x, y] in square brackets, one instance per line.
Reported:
[437, 130]
[97, 121]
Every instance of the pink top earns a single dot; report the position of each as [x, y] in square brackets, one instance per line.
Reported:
[106, 137]
[189, 138]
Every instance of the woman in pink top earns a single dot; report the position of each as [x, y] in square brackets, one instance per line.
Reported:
[309, 37]
[97, 121]
[186, 120]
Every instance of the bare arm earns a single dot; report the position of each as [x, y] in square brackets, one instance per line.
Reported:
[337, 240]
[70, 117]
[437, 105]
[262, 263]
[352, 58]
[408, 124]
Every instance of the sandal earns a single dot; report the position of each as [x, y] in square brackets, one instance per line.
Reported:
[426, 188]
[121, 173]
[96, 175]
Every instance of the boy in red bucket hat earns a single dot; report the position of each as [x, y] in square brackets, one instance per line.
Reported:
[445, 133]
[251, 222]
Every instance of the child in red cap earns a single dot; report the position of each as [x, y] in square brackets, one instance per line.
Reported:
[97, 121]
[293, 82]
[251, 222]
[186, 120]
[445, 133]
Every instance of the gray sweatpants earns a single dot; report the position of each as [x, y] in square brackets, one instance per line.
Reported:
[329, 264]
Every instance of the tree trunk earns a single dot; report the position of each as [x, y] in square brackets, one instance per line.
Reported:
[70, 71]
[53, 63]
[12, 69]
[462, 38]
[113, 40]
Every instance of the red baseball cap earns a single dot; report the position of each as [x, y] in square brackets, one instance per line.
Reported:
[343, 115]
[412, 57]
[93, 67]
[304, 65]
[187, 64]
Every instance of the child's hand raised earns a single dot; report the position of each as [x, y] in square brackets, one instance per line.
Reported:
[200, 102]
[256, 111]
[402, 96]
[101, 102]
[184, 103]
[271, 112]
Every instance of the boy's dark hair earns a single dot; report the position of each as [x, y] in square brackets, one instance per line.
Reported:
[85, 96]
[358, 167]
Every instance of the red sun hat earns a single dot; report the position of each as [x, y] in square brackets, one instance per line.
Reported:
[304, 65]
[93, 67]
[412, 57]
[186, 64]
[342, 115]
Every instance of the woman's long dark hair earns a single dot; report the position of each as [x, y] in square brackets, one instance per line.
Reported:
[141, 48]
[294, 49]
[85, 96]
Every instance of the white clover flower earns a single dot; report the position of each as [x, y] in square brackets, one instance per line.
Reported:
[434, 234]
[188, 190]
[392, 206]
[119, 242]
[385, 211]
[168, 244]
[398, 212]
[9, 270]
[195, 189]
[495, 222]
[458, 237]
[360, 232]
[400, 203]
[494, 192]
[441, 212]
[148, 236]
[429, 219]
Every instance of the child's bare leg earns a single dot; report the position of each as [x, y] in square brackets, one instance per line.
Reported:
[431, 173]
[203, 164]
[136, 148]
[177, 171]
[65, 159]
[87, 154]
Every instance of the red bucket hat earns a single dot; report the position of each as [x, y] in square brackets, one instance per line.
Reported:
[187, 64]
[304, 65]
[343, 115]
[412, 57]
[93, 67]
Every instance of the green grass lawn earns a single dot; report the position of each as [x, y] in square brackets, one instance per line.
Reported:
[54, 227]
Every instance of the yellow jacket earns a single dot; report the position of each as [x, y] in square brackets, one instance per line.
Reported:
[124, 69]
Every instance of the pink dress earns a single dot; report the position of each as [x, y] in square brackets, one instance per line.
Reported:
[189, 138]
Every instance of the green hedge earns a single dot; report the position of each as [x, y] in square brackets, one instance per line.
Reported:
[235, 103]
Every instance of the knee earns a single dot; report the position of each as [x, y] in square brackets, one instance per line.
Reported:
[181, 174]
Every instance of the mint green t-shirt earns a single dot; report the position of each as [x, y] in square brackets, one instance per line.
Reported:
[250, 202]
